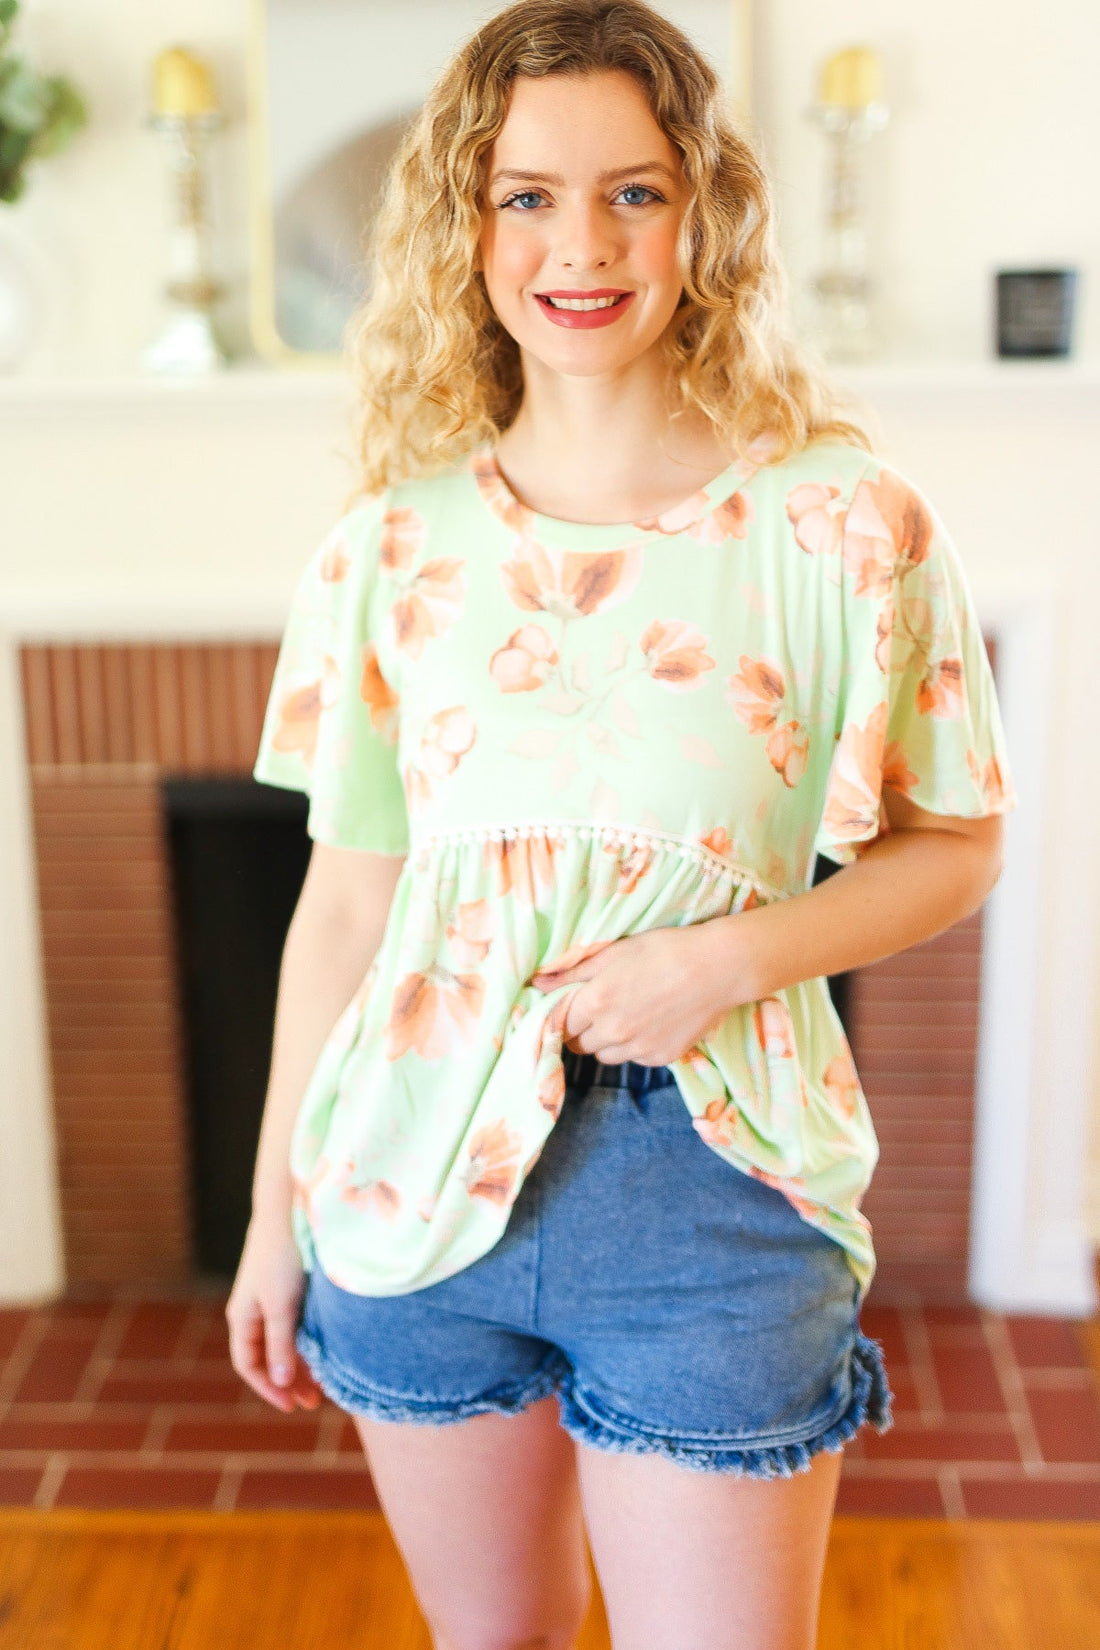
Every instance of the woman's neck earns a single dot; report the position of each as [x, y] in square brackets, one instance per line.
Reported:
[606, 460]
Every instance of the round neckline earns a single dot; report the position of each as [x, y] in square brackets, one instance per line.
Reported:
[498, 498]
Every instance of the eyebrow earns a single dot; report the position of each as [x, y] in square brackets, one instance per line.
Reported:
[604, 177]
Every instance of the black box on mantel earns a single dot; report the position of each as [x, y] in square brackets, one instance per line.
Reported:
[1035, 311]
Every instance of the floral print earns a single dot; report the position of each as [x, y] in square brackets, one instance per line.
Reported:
[494, 1163]
[445, 741]
[569, 584]
[573, 733]
[756, 693]
[378, 696]
[299, 712]
[523, 662]
[430, 606]
[675, 653]
[435, 1013]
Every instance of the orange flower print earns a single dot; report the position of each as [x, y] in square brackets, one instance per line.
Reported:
[862, 763]
[852, 797]
[378, 696]
[896, 773]
[447, 737]
[995, 789]
[942, 692]
[521, 665]
[718, 1123]
[679, 518]
[870, 550]
[551, 1092]
[719, 842]
[889, 531]
[435, 1013]
[756, 693]
[884, 631]
[728, 520]
[403, 533]
[841, 1084]
[633, 863]
[471, 933]
[334, 563]
[494, 1163]
[570, 584]
[731, 519]
[302, 1190]
[675, 654]
[794, 1190]
[817, 514]
[771, 1019]
[375, 1197]
[498, 495]
[430, 606]
[300, 713]
[906, 516]
[524, 866]
[788, 750]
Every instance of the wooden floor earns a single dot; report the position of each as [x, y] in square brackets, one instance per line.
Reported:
[75, 1580]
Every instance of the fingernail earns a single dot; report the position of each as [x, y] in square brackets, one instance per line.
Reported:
[281, 1374]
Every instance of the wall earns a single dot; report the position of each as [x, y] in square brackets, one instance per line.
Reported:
[988, 161]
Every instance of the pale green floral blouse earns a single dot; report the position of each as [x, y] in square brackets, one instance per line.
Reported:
[578, 732]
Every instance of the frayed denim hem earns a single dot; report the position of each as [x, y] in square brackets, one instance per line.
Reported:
[357, 1397]
[870, 1402]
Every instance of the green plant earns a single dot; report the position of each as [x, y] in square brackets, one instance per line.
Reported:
[39, 114]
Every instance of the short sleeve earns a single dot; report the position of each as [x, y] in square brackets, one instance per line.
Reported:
[332, 720]
[917, 707]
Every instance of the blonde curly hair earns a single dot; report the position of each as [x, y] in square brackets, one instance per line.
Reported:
[436, 373]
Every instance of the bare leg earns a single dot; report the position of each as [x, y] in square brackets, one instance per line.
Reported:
[709, 1560]
[487, 1515]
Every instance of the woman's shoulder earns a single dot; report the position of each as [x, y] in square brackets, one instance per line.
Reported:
[830, 461]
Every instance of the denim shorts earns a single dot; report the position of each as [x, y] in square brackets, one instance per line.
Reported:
[673, 1305]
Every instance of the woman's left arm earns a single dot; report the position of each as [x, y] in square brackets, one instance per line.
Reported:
[651, 996]
[920, 875]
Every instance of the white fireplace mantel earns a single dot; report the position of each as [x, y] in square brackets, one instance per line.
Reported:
[151, 511]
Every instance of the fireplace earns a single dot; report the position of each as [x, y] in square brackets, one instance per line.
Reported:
[140, 758]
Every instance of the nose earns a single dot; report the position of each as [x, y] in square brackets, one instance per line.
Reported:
[587, 237]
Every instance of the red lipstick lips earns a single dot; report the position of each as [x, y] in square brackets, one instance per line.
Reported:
[584, 320]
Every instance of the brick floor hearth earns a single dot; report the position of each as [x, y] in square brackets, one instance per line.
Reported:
[122, 1402]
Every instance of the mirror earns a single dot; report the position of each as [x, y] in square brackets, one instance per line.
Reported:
[333, 84]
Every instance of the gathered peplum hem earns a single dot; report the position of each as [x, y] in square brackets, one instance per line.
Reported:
[613, 833]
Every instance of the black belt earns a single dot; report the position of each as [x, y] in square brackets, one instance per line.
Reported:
[584, 1071]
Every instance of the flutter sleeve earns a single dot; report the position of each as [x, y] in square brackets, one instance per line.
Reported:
[917, 705]
[332, 721]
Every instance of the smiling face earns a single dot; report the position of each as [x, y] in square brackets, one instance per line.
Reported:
[583, 202]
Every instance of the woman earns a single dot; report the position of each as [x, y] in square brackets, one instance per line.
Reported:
[629, 625]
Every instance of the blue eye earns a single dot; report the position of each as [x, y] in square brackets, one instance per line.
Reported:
[522, 195]
[640, 188]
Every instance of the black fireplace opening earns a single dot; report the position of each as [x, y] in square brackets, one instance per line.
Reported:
[238, 852]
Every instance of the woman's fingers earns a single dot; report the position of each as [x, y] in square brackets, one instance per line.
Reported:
[285, 1368]
[279, 1345]
[248, 1354]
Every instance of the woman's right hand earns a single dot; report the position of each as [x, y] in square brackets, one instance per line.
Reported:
[262, 1313]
